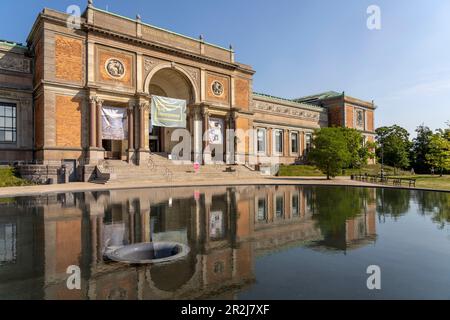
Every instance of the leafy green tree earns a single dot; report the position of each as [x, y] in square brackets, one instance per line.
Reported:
[393, 202]
[436, 205]
[393, 146]
[420, 148]
[438, 155]
[330, 153]
[445, 132]
[359, 151]
[333, 207]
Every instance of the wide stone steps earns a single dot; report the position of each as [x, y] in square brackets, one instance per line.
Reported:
[160, 169]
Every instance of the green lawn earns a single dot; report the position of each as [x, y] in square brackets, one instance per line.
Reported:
[311, 171]
[430, 182]
[422, 181]
[299, 170]
[8, 178]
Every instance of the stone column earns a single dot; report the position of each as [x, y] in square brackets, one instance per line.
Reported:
[143, 135]
[142, 109]
[130, 112]
[100, 240]
[207, 152]
[93, 122]
[230, 139]
[286, 143]
[99, 123]
[269, 142]
[132, 226]
[94, 239]
[144, 206]
[303, 145]
[198, 136]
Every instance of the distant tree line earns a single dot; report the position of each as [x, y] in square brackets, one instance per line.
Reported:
[338, 148]
[429, 152]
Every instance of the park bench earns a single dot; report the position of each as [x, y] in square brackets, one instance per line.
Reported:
[395, 181]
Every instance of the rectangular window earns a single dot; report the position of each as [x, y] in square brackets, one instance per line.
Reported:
[261, 140]
[295, 206]
[294, 142]
[8, 133]
[278, 139]
[8, 239]
[279, 206]
[308, 142]
[262, 210]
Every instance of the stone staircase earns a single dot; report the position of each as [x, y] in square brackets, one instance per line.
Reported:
[160, 169]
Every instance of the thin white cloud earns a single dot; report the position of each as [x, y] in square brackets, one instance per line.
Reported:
[422, 89]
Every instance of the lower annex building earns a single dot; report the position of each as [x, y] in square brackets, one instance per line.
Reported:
[78, 96]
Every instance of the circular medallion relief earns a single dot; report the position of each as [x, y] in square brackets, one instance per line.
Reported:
[217, 88]
[115, 68]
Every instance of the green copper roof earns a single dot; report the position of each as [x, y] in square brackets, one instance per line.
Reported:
[290, 101]
[12, 44]
[319, 96]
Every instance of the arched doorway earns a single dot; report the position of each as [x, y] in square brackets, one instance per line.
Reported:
[172, 83]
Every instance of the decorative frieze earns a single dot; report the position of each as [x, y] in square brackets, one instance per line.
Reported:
[287, 111]
[149, 64]
[12, 63]
[194, 73]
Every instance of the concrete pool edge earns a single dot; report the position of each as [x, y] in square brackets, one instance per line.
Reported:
[87, 186]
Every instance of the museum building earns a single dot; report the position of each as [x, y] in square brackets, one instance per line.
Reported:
[115, 88]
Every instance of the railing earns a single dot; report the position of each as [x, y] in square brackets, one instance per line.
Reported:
[395, 181]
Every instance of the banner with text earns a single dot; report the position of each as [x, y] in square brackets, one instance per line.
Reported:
[168, 112]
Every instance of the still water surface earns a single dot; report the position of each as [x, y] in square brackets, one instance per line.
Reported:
[247, 242]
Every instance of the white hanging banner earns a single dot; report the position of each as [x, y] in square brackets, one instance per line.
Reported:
[168, 112]
[114, 123]
[216, 130]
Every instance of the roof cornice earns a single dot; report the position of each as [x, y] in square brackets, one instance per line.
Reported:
[167, 49]
[286, 102]
[87, 27]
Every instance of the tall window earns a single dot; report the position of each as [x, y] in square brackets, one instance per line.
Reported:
[278, 138]
[261, 140]
[262, 210]
[295, 205]
[308, 142]
[294, 142]
[279, 206]
[8, 132]
[8, 238]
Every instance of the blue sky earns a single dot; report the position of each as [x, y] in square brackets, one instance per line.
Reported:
[301, 47]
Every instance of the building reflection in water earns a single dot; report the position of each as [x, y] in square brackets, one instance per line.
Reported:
[227, 228]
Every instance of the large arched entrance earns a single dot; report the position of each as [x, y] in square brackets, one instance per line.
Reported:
[172, 83]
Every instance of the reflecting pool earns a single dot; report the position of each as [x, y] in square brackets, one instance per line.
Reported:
[246, 242]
